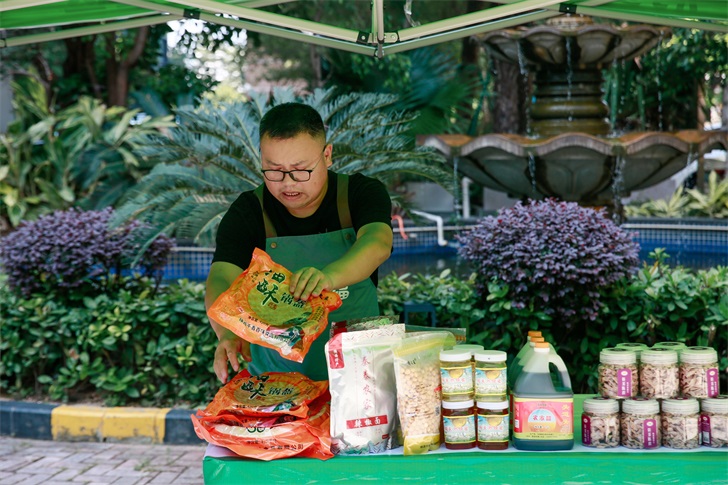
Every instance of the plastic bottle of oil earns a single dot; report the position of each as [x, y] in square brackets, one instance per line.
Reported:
[515, 368]
[543, 418]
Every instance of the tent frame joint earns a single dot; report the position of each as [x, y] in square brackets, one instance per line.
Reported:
[191, 13]
[567, 8]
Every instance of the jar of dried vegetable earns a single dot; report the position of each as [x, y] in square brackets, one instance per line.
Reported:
[680, 423]
[618, 373]
[659, 374]
[640, 423]
[676, 346]
[699, 372]
[714, 421]
[600, 423]
[635, 346]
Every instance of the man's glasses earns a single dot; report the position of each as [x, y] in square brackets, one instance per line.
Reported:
[296, 175]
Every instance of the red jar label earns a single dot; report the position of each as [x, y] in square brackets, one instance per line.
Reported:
[624, 382]
[705, 429]
[713, 383]
[649, 434]
[586, 430]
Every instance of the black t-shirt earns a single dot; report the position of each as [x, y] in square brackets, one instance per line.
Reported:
[242, 230]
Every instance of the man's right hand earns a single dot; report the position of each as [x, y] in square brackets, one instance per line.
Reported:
[228, 348]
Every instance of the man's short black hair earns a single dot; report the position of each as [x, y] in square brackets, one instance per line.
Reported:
[292, 119]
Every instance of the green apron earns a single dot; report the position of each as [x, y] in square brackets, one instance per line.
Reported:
[317, 250]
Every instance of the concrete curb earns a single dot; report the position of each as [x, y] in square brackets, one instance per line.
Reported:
[96, 423]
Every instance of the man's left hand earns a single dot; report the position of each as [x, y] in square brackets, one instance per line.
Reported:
[309, 281]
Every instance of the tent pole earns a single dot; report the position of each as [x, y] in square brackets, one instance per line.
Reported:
[90, 30]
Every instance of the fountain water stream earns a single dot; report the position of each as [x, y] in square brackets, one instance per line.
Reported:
[571, 155]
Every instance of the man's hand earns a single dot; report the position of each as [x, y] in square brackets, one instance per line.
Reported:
[228, 348]
[308, 281]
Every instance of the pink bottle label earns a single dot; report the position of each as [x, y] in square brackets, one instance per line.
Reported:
[705, 429]
[649, 433]
[586, 430]
[713, 382]
[624, 382]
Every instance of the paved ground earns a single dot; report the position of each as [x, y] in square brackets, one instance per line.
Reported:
[27, 462]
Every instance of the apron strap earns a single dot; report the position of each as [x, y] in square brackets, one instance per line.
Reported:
[342, 205]
[342, 200]
[270, 230]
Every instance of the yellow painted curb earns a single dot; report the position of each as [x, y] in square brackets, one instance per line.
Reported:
[96, 423]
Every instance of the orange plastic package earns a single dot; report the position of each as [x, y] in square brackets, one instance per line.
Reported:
[259, 308]
[266, 395]
[237, 418]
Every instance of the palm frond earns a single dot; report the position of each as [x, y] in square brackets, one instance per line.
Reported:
[212, 156]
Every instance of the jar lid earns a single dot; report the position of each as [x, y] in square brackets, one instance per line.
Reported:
[535, 340]
[659, 356]
[490, 356]
[699, 355]
[458, 404]
[617, 356]
[717, 404]
[493, 405]
[534, 333]
[455, 355]
[601, 405]
[681, 405]
[669, 345]
[640, 405]
[632, 345]
[472, 348]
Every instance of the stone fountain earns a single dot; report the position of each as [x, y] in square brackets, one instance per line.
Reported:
[569, 153]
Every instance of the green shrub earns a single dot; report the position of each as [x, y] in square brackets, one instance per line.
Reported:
[126, 348]
[713, 202]
[455, 300]
[659, 303]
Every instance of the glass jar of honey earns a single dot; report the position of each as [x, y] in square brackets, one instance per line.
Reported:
[458, 422]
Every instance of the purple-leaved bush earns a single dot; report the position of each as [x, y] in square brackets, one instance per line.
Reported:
[75, 250]
[555, 256]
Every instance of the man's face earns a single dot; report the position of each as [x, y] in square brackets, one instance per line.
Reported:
[301, 152]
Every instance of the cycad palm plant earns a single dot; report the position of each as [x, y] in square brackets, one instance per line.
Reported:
[213, 155]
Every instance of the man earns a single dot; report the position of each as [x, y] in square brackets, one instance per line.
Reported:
[332, 231]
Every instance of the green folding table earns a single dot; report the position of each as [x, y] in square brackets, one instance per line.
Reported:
[580, 466]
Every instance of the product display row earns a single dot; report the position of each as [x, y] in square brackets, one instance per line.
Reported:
[641, 423]
[658, 372]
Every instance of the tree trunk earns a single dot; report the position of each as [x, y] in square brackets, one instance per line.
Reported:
[470, 73]
[80, 61]
[118, 68]
[724, 109]
[509, 112]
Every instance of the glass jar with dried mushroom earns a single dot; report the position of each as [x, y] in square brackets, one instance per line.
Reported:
[699, 372]
[659, 374]
[600, 423]
[640, 424]
[680, 423]
[618, 373]
[714, 421]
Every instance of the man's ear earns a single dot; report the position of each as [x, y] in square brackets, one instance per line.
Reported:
[328, 154]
